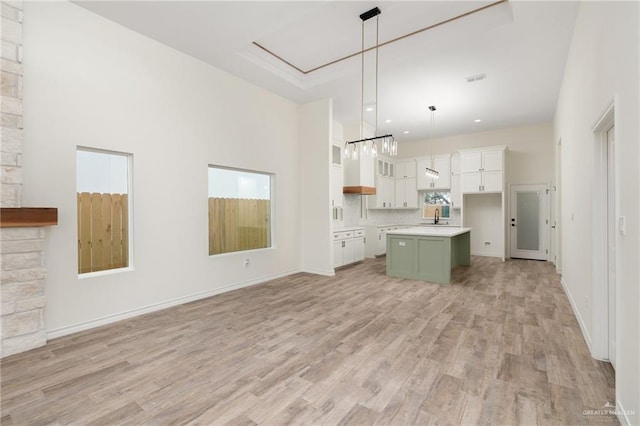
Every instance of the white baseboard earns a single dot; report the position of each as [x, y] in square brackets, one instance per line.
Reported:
[108, 319]
[576, 312]
[622, 414]
[326, 273]
[486, 254]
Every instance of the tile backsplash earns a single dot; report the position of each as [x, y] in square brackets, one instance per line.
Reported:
[356, 214]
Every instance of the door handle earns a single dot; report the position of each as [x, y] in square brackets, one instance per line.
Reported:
[513, 224]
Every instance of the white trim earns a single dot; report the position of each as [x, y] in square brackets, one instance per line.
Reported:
[545, 226]
[326, 273]
[599, 250]
[109, 319]
[605, 118]
[486, 254]
[622, 414]
[576, 312]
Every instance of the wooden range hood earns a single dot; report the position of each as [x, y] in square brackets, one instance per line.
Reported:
[359, 190]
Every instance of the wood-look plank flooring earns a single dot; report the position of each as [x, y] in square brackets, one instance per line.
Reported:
[499, 346]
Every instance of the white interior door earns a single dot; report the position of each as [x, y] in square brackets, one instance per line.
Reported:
[529, 222]
[611, 244]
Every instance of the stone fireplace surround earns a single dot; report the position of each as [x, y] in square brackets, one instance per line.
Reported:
[22, 230]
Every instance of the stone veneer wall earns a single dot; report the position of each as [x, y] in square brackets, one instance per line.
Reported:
[11, 103]
[22, 270]
[23, 300]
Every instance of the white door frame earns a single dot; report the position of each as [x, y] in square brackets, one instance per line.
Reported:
[600, 251]
[557, 210]
[611, 244]
[543, 188]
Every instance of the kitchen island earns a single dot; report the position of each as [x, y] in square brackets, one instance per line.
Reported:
[427, 253]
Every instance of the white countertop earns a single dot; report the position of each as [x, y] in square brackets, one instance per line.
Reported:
[349, 228]
[430, 231]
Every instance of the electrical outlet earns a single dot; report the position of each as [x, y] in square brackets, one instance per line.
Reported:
[246, 263]
[487, 243]
[622, 225]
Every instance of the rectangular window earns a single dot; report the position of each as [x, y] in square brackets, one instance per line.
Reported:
[103, 185]
[436, 200]
[239, 210]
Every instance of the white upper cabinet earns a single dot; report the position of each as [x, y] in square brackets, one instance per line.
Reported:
[406, 194]
[337, 173]
[482, 170]
[337, 198]
[385, 167]
[442, 164]
[455, 163]
[480, 161]
[406, 169]
[336, 154]
[385, 194]
[492, 160]
[471, 162]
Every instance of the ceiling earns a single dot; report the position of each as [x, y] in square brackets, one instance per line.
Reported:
[521, 46]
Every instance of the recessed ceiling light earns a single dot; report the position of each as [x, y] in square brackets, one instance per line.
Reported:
[369, 109]
[477, 120]
[405, 132]
[387, 121]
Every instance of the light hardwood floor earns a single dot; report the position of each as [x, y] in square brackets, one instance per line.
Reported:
[498, 346]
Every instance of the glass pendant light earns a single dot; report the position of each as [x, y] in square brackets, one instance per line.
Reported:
[431, 173]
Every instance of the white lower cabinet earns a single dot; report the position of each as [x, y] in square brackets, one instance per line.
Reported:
[348, 246]
[377, 239]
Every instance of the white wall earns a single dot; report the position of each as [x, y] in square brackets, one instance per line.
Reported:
[316, 134]
[530, 155]
[483, 214]
[603, 65]
[530, 160]
[93, 83]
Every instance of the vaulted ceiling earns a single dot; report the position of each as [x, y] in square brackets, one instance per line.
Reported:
[521, 47]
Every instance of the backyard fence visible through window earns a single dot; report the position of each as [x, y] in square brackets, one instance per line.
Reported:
[239, 210]
[103, 210]
[103, 231]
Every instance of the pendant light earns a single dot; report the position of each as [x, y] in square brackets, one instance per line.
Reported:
[431, 173]
[367, 147]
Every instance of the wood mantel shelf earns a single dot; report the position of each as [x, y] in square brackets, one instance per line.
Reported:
[15, 217]
[362, 190]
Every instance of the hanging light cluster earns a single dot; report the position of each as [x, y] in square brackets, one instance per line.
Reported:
[369, 147]
[432, 174]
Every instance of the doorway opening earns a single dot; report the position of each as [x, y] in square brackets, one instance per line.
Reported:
[604, 238]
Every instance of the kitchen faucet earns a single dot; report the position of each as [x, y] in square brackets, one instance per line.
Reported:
[436, 217]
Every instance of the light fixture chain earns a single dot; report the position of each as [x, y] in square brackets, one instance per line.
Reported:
[362, 86]
[431, 137]
[376, 101]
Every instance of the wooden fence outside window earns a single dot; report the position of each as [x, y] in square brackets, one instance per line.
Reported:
[238, 224]
[103, 232]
